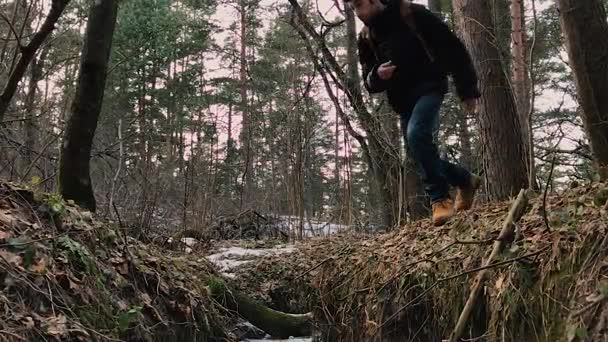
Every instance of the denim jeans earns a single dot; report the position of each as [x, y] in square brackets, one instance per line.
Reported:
[420, 127]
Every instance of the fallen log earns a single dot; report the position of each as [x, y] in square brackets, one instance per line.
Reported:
[275, 323]
[506, 236]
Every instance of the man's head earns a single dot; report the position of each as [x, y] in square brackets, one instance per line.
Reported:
[366, 10]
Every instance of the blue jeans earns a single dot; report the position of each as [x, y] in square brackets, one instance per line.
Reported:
[419, 128]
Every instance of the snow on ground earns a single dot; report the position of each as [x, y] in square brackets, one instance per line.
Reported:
[229, 258]
[291, 339]
[311, 227]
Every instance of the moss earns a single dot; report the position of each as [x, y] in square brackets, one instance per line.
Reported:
[275, 323]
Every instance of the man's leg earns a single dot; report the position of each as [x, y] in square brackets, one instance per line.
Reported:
[455, 174]
[419, 132]
[422, 127]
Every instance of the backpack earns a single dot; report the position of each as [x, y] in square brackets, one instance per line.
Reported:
[405, 7]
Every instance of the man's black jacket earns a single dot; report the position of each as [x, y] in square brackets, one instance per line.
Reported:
[417, 73]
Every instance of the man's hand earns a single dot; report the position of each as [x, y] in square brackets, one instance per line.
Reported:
[470, 106]
[385, 70]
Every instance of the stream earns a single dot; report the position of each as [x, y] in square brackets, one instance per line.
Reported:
[229, 258]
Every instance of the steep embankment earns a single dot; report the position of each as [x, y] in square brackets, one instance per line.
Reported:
[549, 283]
[65, 276]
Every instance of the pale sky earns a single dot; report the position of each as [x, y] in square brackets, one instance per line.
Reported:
[226, 15]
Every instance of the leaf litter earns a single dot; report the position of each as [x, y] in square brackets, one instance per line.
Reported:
[411, 284]
[67, 276]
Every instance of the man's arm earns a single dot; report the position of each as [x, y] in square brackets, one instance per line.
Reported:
[450, 51]
[369, 65]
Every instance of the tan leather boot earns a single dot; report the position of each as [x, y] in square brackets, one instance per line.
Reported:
[466, 194]
[442, 211]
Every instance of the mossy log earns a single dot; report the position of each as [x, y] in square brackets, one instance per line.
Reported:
[275, 323]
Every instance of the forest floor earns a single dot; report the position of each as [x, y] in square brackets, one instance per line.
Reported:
[549, 283]
[65, 275]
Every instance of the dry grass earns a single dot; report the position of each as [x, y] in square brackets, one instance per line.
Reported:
[410, 285]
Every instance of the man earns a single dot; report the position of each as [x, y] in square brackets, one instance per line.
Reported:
[407, 51]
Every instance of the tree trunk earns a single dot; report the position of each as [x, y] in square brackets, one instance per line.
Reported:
[74, 173]
[521, 82]
[246, 125]
[520, 65]
[29, 117]
[275, 323]
[502, 27]
[27, 54]
[585, 30]
[500, 129]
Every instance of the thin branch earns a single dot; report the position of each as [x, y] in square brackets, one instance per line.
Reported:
[532, 78]
[22, 119]
[35, 161]
[12, 28]
[548, 228]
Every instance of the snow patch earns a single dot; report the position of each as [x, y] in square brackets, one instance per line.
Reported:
[229, 258]
[292, 339]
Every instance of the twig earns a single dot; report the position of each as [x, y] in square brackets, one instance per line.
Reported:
[314, 267]
[507, 231]
[22, 119]
[532, 94]
[13, 335]
[12, 28]
[475, 242]
[35, 161]
[548, 228]
[15, 244]
[115, 179]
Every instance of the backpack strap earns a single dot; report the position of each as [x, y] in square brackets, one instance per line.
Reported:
[405, 7]
[366, 36]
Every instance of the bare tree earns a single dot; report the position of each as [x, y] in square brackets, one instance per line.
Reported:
[28, 52]
[74, 174]
[586, 33]
[501, 138]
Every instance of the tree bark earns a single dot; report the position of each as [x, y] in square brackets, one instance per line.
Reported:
[585, 30]
[521, 82]
[27, 54]
[501, 137]
[502, 27]
[246, 124]
[74, 173]
[36, 69]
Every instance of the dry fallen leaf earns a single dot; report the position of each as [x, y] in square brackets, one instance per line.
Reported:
[28, 322]
[123, 269]
[39, 266]
[4, 236]
[499, 285]
[56, 325]
[11, 258]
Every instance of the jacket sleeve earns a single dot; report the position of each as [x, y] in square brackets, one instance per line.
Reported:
[369, 64]
[450, 51]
